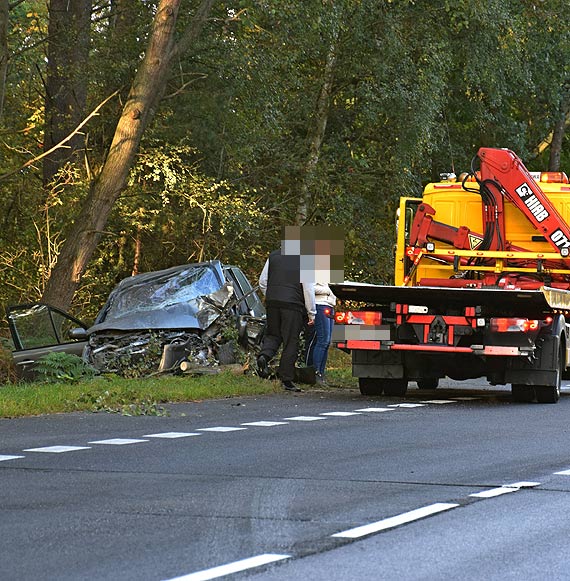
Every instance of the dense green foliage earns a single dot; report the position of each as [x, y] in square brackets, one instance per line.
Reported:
[418, 87]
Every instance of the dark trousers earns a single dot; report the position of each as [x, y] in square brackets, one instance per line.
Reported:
[283, 326]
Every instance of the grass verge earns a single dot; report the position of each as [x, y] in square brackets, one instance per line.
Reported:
[144, 396]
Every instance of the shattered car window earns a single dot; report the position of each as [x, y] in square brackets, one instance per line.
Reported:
[163, 292]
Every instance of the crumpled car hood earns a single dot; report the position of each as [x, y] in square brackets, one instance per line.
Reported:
[187, 297]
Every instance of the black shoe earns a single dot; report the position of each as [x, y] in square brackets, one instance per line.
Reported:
[290, 386]
[321, 380]
[263, 367]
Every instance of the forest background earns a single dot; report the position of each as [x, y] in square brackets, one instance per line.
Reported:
[137, 135]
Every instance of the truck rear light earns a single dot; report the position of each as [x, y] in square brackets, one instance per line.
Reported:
[358, 318]
[513, 325]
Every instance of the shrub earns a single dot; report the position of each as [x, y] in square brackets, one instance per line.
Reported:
[58, 367]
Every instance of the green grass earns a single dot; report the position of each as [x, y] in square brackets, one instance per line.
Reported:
[145, 396]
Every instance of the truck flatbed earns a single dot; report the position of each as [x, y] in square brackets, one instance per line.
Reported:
[493, 300]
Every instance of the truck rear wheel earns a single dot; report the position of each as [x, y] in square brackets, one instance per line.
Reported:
[522, 393]
[395, 387]
[371, 385]
[428, 383]
[547, 393]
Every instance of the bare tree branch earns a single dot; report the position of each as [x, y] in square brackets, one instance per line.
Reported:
[30, 162]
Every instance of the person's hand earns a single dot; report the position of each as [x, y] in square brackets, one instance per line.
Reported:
[311, 322]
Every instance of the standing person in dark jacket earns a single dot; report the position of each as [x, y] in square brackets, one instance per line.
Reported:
[289, 303]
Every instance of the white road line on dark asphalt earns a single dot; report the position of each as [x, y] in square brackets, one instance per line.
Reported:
[3, 458]
[505, 489]
[57, 449]
[563, 472]
[305, 418]
[439, 401]
[118, 441]
[265, 424]
[234, 567]
[220, 429]
[172, 435]
[395, 521]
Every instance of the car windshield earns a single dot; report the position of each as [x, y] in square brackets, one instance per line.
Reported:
[163, 292]
[182, 298]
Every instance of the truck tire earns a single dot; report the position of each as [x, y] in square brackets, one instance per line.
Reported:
[522, 393]
[395, 387]
[371, 385]
[428, 383]
[547, 393]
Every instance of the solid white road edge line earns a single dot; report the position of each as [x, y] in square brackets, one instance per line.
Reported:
[395, 521]
[234, 567]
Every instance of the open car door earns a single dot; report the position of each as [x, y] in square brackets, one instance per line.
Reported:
[38, 329]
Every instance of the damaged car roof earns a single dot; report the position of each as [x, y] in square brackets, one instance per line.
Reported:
[182, 297]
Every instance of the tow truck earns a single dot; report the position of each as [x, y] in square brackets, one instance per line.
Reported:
[482, 287]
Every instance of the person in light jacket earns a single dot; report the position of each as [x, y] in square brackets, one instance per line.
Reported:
[318, 348]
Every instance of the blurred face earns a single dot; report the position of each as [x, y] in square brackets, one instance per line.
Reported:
[321, 251]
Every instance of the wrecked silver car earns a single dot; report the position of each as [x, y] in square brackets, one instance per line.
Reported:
[185, 317]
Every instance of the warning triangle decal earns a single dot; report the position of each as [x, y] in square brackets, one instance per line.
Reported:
[474, 241]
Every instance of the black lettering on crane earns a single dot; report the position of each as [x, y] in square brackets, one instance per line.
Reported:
[560, 239]
[532, 202]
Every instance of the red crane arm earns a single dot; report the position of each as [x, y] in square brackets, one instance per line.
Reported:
[506, 170]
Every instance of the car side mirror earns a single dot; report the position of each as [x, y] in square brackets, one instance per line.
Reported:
[78, 334]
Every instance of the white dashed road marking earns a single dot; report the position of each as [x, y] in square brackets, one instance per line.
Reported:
[466, 398]
[563, 472]
[406, 405]
[172, 435]
[395, 521]
[265, 424]
[220, 429]
[305, 418]
[439, 401]
[376, 410]
[57, 449]
[505, 489]
[234, 567]
[118, 441]
[341, 414]
[3, 458]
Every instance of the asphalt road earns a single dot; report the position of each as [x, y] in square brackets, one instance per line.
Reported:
[445, 484]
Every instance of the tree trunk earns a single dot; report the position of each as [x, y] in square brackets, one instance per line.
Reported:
[145, 92]
[4, 53]
[317, 132]
[66, 79]
[559, 131]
